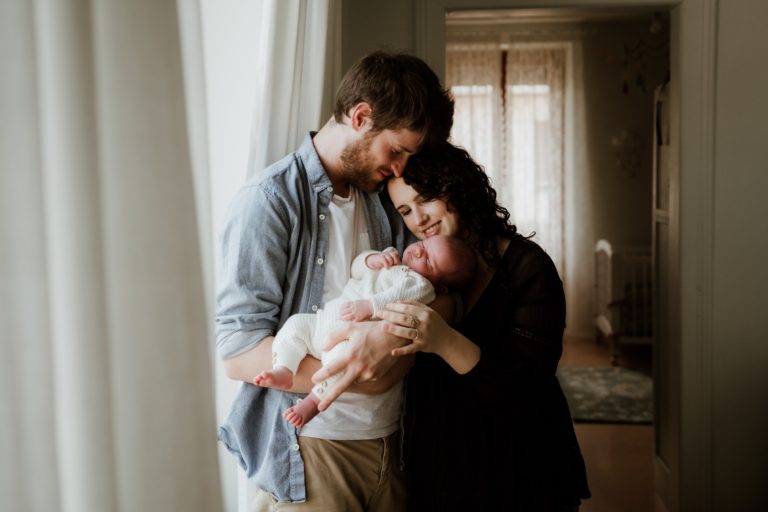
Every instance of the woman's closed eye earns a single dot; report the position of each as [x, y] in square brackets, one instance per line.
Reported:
[424, 200]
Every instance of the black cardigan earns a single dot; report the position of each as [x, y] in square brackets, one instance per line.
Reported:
[499, 437]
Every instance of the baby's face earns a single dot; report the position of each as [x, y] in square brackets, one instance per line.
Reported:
[429, 257]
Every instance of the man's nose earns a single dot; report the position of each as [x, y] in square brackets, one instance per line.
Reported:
[398, 166]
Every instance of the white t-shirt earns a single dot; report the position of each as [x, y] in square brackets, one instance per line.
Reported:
[352, 416]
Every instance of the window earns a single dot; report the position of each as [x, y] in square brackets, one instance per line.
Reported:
[509, 116]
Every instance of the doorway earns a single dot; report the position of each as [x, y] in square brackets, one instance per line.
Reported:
[684, 470]
[616, 58]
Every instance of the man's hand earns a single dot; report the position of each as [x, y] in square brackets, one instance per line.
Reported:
[384, 259]
[369, 357]
[356, 311]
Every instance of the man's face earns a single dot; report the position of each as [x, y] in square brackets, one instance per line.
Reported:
[369, 161]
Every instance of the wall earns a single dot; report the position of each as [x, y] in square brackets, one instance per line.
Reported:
[740, 323]
[609, 194]
[370, 25]
[620, 193]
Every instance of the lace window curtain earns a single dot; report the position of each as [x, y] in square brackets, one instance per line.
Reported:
[510, 117]
[474, 77]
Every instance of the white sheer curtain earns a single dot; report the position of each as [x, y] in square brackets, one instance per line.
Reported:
[532, 141]
[300, 62]
[533, 180]
[105, 375]
[474, 75]
[510, 117]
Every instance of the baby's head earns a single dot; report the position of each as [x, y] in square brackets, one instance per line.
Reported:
[446, 261]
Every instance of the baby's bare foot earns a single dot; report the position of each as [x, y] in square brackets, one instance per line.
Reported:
[280, 378]
[301, 413]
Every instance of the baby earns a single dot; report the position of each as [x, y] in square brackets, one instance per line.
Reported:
[439, 263]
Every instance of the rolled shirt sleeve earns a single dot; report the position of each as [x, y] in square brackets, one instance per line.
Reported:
[253, 268]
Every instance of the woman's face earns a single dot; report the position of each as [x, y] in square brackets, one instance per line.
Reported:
[423, 218]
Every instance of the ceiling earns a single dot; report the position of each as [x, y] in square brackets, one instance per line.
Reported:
[550, 15]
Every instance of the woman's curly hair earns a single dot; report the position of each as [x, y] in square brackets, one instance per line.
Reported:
[447, 172]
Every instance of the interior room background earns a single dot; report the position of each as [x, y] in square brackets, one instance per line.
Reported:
[126, 128]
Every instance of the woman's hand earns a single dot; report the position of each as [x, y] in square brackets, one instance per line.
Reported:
[429, 332]
[419, 323]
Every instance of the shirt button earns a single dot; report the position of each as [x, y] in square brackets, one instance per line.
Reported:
[330, 189]
[295, 447]
[322, 216]
[314, 307]
[320, 261]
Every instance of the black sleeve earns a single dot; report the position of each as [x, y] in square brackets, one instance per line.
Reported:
[520, 331]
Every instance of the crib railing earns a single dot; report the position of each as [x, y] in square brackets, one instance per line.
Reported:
[623, 295]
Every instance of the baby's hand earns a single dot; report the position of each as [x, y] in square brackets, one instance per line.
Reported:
[383, 260]
[356, 311]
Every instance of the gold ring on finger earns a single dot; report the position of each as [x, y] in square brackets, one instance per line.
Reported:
[414, 321]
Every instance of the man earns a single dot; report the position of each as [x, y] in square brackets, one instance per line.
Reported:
[287, 246]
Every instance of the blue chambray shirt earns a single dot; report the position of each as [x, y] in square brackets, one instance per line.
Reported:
[274, 233]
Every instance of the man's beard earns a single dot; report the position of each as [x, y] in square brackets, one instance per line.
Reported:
[357, 166]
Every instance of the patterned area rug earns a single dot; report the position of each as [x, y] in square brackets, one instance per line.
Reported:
[607, 395]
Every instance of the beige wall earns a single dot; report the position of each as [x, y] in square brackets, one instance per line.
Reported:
[608, 200]
[740, 320]
[371, 25]
[621, 197]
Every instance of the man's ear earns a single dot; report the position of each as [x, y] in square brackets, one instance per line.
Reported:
[441, 288]
[360, 116]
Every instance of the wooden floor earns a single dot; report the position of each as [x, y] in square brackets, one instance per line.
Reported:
[619, 458]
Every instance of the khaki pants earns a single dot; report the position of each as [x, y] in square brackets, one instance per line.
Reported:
[347, 476]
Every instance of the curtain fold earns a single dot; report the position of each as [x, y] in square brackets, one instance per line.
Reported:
[474, 75]
[533, 180]
[300, 65]
[107, 389]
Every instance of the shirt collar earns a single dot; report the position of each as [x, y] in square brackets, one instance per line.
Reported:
[312, 164]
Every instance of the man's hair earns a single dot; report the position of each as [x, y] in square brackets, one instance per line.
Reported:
[403, 93]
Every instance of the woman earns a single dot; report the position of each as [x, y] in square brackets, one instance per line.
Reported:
[487, 426]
